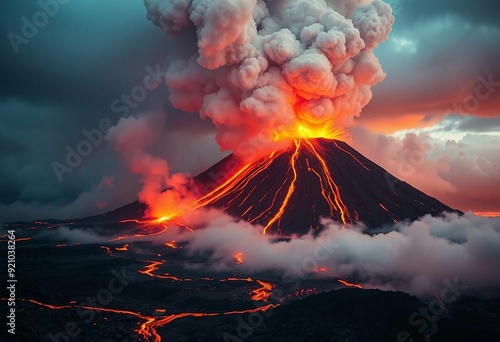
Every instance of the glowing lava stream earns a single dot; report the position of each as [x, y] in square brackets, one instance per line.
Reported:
[329, 189]
[234, 188]
[148, 329]
[350, 284]
[261, 294]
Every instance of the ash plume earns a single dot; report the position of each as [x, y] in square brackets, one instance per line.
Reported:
[277, 70]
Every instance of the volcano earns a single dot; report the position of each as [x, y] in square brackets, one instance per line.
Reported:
[290, 191]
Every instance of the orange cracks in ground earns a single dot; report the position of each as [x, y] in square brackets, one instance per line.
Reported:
[153, 266]
[262, 293]
[350, 284]
[108, 250]
[161, 231]
[124, 248]
[171, 244]
[150, 324]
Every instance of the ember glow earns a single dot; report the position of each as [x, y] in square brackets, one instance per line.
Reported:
[238, 257]
[171, 244]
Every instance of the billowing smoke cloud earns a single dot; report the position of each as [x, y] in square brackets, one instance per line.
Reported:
[276, 70]
[133, 137]
[414, 257]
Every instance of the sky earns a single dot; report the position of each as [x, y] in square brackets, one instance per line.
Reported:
[433, 122]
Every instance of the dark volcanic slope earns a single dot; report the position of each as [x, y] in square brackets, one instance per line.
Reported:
[370, 194]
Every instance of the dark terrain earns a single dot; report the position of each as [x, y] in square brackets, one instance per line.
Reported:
[316, 309]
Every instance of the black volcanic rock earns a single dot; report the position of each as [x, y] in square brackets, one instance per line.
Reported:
[370, 194]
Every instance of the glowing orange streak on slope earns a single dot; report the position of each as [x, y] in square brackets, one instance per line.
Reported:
[236, 183]
[151, 221]
[324, 193]
[352, 155]
[140, 235]
[237, 279]
[53, 307]
[16, 240]
[383, 207]
[219, 191]
[350, 284]
[290, 191]
[262, 308]
[333, 186]
[262, 293]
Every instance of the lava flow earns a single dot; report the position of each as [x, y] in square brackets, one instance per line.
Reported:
[148, 328]
[262, 293]
[350, 284]
[269, 210]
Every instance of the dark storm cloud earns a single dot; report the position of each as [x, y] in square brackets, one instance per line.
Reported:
[64, 80]
[480, 11]
[82, 58]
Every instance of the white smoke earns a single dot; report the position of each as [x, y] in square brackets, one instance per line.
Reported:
[264, 66]
[414, 257]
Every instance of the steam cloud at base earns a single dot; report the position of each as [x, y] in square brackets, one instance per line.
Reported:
[414, 257]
